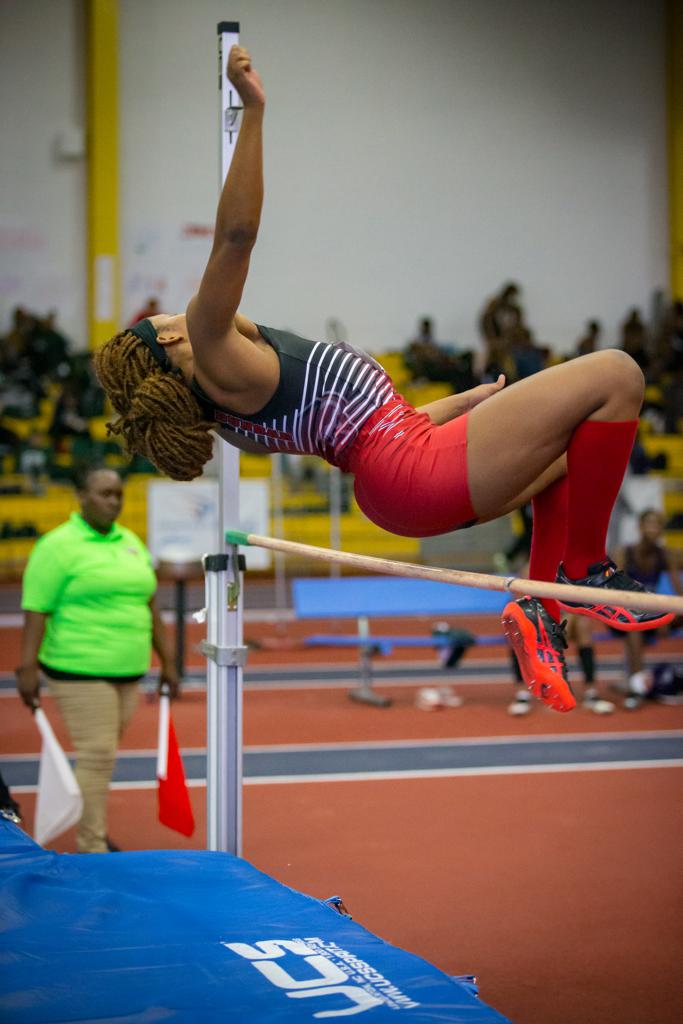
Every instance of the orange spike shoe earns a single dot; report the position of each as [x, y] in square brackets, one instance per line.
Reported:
[539, 644]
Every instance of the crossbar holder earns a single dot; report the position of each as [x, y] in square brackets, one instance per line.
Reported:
[236, 656]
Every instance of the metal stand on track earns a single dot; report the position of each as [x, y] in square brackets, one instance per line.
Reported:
[226, 656]
[364, 693]
[223, 646]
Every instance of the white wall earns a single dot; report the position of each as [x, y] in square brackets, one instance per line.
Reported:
[42, 197]
[417, 155]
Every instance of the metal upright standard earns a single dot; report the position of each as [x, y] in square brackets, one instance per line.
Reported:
[226, 655]
[223, 647]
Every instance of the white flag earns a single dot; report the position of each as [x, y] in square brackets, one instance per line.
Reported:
[59, 804]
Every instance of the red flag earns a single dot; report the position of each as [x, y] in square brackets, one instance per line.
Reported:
[175, 809]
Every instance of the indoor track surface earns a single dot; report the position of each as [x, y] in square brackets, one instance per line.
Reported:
[540, 853]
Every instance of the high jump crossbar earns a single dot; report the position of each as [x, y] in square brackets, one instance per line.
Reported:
[481, 581]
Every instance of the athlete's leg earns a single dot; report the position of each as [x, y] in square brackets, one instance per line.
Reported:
[598, 449]
[554, 472]
[549, 536]
[519, 433]
[532, 626]
[516, 438]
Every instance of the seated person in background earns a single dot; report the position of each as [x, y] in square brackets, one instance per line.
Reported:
[635, 341]
[67, 420]
[640, 462]
[526, 355]
[13, 346]
[47, 347]
[646, 562]
[33, 462]
[590, 340]
[667, 368]
[423, 356]
[501, 325]
[9, 441]
[497, 360]
[501, 314]
[429, 360]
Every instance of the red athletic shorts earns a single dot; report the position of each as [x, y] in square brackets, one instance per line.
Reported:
[411, 476]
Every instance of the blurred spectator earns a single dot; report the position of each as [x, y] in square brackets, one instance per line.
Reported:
[85, 385]
[501, 324]
[422, 355]
[527, 357]
[430, 360]
[67, 420]
[646, 561]
[151, 308]
[502, 314]
[668, 366]
[47, 347]
[33, 462]
[497, 360]
[589, 342]
[640, 463]
[9, 441]
[673, 339]
[634, 339]
[15, 343]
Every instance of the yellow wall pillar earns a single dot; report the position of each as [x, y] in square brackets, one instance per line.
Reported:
[675, 121]
[103, 169]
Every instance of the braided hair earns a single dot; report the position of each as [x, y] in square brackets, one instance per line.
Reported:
[159, 417]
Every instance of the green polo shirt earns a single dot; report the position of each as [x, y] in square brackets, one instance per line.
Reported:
[95, 589]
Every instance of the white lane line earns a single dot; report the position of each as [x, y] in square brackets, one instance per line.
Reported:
[448, 773]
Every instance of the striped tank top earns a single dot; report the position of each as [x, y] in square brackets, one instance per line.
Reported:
[325, 395]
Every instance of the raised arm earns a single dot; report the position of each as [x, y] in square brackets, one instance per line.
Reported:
[211, 313]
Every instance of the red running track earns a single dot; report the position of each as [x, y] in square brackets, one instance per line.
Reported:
[559, 890]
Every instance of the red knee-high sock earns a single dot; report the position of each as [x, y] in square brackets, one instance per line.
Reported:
[597, 458]
[549, 536]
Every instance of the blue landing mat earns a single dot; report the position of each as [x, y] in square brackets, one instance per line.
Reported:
[352, 596]
[137, 938]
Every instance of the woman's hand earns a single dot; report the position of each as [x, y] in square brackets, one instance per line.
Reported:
[168, 680]
[28, 685]
[483, 391]
[247, 81]
[443, 410]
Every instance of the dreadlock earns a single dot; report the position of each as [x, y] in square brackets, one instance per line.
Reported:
[159, 417]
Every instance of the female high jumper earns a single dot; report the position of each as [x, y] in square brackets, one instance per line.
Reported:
[560, 439]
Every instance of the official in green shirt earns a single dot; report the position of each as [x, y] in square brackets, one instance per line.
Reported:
[90, 624]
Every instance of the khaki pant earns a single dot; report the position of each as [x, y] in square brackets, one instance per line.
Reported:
[95, 712]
